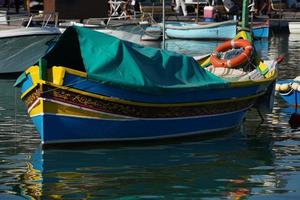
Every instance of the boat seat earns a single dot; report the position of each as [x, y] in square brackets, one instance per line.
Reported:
[233, 75]
[228, 74]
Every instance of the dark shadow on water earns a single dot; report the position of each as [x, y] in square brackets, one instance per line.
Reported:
[10, 75]
[294, 120]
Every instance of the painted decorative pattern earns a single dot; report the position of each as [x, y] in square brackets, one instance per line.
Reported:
[139, 111]
[32, 96]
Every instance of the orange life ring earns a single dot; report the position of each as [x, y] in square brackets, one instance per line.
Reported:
[235, 61]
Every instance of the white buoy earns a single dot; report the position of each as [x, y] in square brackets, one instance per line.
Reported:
[297, 78]
[277, 87]
[284, 87]
[298, 89]
[295, 86]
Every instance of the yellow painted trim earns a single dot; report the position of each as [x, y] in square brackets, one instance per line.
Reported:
[33, 71]
[243, 35]
[75, 72]
[45, 106]
[205, 61]
[56, 75]
[37, 109]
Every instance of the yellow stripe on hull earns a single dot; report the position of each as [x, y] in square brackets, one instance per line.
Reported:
[44, 106]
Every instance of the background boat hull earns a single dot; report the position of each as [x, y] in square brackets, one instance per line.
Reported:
[294, 27]
[218, 32]
[260, 32]
[291, 98]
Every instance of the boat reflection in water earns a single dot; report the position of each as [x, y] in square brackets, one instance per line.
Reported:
[227, 166]
[262, 47]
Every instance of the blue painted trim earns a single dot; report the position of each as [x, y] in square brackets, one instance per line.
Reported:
[209, 95]
[28, 83]
[39, 125]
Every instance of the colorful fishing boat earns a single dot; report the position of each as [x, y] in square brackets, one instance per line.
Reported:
[289, 90]
[94, 87]
[211, 30]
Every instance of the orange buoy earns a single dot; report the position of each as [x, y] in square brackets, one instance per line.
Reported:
[235, 61]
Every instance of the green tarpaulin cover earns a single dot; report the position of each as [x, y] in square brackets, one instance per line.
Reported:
[119, 63]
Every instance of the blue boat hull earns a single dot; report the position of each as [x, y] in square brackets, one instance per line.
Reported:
[194, 31]
[292, 98]
[217, 31]
[62, 129]
[260, 32]
[81, 110]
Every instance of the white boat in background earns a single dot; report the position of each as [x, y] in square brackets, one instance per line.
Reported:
[30, 31]
[294, 27]
[18, 44]
[18, 53]
[212, 30]
[152, 33]
[22, 46]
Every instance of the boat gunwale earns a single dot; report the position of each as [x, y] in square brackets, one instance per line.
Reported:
[237, 84]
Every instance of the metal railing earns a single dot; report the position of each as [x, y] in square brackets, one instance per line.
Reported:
[22, 18]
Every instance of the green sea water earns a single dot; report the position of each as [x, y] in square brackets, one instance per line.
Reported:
[257, 161]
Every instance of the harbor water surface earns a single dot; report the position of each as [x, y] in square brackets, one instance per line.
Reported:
[261, 160]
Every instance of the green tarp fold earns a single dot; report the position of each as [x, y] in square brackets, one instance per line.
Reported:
[123, 64]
